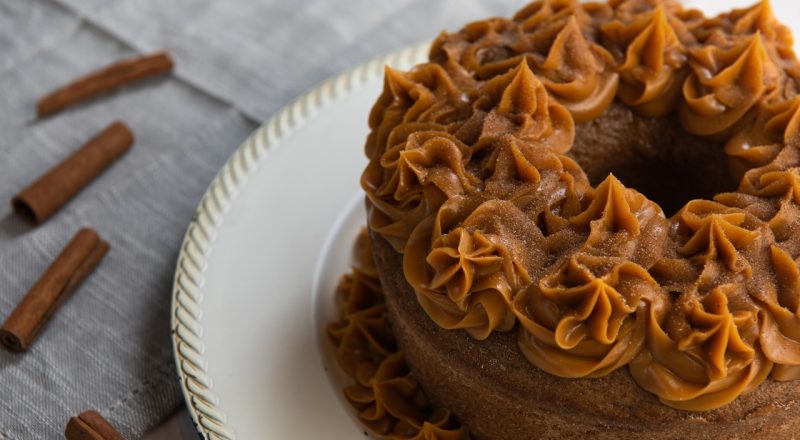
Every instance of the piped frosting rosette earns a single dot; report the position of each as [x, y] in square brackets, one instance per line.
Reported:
[362, 336]
[416, 163]
[576, 71]
[762, 139]
[385, 395]
[588, 317]
[780, 319]
[764, 128]
[467, 263]
[622, 221]
[653, 62]
[517, 105]
[729, 76]
[718, 238]
[546, 14]
[759, 18]
[772, 193]
[708, 351]
[705, 353]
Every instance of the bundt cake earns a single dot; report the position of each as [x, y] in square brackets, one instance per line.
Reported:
[585, 222]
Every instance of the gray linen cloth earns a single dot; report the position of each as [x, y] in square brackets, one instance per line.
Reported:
[237, 62]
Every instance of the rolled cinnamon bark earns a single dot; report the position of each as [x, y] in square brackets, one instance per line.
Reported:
[90, 425]
[51, 191]
[73, 264]
[104, 80]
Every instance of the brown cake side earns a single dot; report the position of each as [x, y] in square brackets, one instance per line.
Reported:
[497, 394]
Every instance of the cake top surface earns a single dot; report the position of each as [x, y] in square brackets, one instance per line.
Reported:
[471, 178]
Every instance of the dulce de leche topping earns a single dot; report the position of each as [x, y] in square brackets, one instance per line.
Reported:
[387, 398]
[470, 178]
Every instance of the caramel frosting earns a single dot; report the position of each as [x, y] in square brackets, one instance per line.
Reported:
[588, 317]
[759, 18]
[577, 72]
[500, 230]
[406, 178]
[654, 66]
[771, 193]
[726, 81]
[518, 105]
[715, 233]
[468, 275]
[780, 331]
[622, 222]
[706, 352]
[387, 398]
[775, 124]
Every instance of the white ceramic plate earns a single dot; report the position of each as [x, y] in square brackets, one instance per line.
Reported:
[255, 276]
[247, 330]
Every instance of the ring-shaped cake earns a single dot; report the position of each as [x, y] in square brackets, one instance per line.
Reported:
[603, 199]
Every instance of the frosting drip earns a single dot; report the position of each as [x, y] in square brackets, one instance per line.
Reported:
[500, 231]
[388, 399]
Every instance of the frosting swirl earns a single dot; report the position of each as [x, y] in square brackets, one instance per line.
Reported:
[653, 69]
[726, 81]
[361, 336]
[705, 353]
[537, 15]
[577, 72]
[406, 179]
[518, 105]
[758, 18]
[617, 216]
[780, 322]
[385, 395]
[468, 276]
[714, 232]
[588, 317]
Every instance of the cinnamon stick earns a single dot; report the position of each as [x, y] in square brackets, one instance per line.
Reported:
[90, 425]
[83, 253]
[104, 80]
[52, 190]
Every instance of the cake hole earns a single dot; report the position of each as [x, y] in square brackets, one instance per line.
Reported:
[655, 156]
